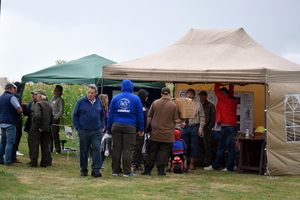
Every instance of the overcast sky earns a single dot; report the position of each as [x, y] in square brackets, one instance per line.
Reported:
[36, 33]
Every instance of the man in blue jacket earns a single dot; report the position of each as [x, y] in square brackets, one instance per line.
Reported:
[125, 120]
[88, 120]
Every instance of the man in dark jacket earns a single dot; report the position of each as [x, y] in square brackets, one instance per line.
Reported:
[139, 140]
[40, 131]
[10, 112]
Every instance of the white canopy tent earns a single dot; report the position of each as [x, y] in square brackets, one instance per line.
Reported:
[3, 81]
[230, 56]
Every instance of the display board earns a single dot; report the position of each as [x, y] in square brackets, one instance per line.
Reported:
[244, 112]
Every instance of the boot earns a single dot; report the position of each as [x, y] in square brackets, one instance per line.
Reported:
[161, 170]
[147, 170]
[192, 163]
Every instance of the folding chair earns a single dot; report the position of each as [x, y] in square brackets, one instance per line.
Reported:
[70, 135]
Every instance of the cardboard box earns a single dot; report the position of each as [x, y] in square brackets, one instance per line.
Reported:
[186, 107]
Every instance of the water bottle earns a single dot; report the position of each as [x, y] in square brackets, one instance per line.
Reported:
[247, 133]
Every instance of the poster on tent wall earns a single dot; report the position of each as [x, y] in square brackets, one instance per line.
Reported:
[244, 112]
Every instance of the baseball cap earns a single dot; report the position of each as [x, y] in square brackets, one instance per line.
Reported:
[10, 85]
[41, 92]
[34, 92]
[203, 93]
[165, 91]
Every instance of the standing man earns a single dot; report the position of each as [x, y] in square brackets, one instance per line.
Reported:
[125, 121]
[226, 118]
[40, 130]
[15, 152]
[58, 106]
[27, 112]
[163, 116]
[192, 129]
[204, 147]
[88, 120]
[10, 112]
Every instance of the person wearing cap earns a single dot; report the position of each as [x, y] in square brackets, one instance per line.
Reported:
[58, 106]
[10, 112]
[193, 128]
[27, 112]
[226, 118]
[204, 143]
[125, 121]
[88, 120]
[40, 131]
[163, 116]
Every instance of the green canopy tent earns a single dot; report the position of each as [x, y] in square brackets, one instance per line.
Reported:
[83, 71]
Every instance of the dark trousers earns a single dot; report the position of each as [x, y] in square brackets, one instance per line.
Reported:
[137, 151]
[123, 142]
[204, 147]
[158, 152]
[17, 141]
[43, 139]
[55, 136]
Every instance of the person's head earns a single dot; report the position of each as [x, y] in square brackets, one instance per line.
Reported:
[224, 91]
[104, 99]
[41, 95]
[127, 85]
[143, 94]
[12, 88]
[190, 93]
[165, 92]
[177, 134]
[203, 96]
[92, 92]
[33, 95]
[19, 86]
[58, 90]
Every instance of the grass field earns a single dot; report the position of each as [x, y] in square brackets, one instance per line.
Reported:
[63, 181]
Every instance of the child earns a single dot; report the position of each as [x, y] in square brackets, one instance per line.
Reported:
[178, 149]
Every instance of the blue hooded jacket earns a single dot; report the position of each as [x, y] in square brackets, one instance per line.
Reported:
[126, 108]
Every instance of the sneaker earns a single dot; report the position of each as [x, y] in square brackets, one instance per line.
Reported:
[168, 170]
[19, 154]
[115, 174]
[209, 168]
[103, 168]
[235, 168]
[130, 175]
[224, 170]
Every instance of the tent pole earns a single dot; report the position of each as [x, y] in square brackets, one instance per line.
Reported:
[266, 123]
[102, 82]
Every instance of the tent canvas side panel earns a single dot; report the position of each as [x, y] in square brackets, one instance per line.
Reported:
[283, 158]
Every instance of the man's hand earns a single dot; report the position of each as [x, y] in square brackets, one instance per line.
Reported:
[140, 133]
[201, 133]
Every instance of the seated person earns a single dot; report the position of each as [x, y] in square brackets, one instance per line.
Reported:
[178, 149]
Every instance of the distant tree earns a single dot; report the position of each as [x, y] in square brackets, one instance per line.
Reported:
[60, 61]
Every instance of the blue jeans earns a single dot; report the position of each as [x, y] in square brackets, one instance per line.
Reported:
[89, 138]
[226, 140]
[190, 137]
[8, 136]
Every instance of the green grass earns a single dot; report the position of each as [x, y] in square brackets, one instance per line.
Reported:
[63, 181]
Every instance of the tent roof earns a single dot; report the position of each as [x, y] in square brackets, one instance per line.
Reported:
[209, 55]
[83, 71]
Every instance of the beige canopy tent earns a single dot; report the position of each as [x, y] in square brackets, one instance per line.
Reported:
[231, 56]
